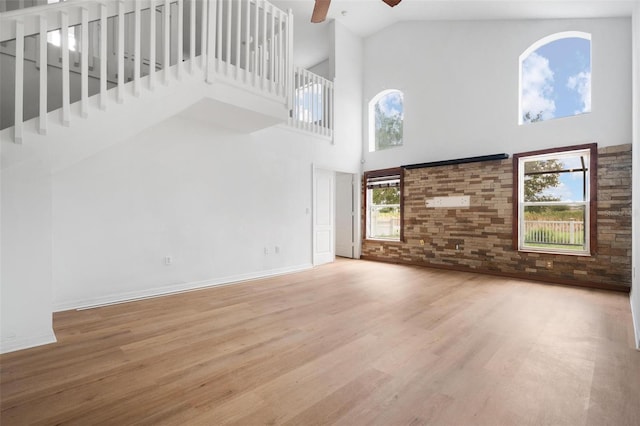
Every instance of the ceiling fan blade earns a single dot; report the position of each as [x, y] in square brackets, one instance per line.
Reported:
[392, 2]
[320, 11]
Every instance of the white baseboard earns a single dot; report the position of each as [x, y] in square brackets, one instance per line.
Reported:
[636, 324]
[172, 289]
[12, 345]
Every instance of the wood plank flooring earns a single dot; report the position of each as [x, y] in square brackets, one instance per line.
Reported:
[350, 343]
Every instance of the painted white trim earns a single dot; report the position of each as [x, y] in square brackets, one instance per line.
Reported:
[7, 346]
[173, 289]
[635, 320]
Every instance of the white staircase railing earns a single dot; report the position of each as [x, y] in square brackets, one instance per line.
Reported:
[74, 50]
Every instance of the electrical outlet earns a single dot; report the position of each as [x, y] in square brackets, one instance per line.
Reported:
[549, 264]
[266, 250]
[421, 242]
[168, 260]
[277, 249]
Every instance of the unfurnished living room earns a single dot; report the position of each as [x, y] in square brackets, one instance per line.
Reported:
[318, 212]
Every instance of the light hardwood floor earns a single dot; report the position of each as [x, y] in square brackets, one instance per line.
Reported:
[348, 343]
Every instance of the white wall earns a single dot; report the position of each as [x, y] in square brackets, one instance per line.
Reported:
[635, 286]
[209, 198]
[460, 81]
[25, 284]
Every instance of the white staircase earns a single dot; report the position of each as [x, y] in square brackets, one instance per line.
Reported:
[116, 67]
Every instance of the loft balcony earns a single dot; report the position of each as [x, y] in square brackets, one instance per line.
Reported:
[107, 55]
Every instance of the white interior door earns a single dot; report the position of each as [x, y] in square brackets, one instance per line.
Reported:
[345, 215]
[323, 216]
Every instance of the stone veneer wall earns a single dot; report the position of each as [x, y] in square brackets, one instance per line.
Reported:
[484, 231]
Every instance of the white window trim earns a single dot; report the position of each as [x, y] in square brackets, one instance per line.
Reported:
[371, 116]
[522, 204]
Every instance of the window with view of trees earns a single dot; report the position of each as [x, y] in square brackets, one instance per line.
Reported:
[555, 77]
[384, 204]
[555, 203]
[386, 117]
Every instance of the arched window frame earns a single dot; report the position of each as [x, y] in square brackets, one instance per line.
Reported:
[535, 46]
[371, 115]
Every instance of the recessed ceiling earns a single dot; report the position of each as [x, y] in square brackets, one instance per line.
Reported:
[365, 17]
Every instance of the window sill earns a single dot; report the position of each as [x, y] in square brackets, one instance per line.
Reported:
[555, 252]
[382, 240]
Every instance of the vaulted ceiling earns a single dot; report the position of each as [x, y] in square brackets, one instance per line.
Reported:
[365, 17]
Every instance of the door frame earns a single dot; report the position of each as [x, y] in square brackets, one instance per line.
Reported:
[357, 202]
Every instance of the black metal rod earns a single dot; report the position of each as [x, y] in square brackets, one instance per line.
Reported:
[458, 161]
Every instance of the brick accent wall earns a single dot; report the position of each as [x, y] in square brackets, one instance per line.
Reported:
[483, 232]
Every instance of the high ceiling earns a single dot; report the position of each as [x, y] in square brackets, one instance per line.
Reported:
[365, 17]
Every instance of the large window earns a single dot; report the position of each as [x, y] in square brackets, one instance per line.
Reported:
[554, 200]
[386, 120]
[555, 77]
[384, 204]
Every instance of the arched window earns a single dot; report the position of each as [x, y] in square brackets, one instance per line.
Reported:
[555, 77]
[386, 117]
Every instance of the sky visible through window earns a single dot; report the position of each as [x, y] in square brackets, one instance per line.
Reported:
[556, 80]
[388, 117]
[570, 187]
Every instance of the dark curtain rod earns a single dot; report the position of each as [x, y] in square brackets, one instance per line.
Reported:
[458, 161]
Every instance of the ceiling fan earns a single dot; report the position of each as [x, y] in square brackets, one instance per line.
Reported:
[322, 7]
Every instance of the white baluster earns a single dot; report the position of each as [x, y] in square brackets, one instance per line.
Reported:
[42, 121]
[256, 39]
[247, 41]
[238, 36]
[167, 41]
[263, 65]
[180, 53]
[64, 47]
[227, 61]
[289, 57]
[84, 64]
[19, 83]
[207, 35]
[120, 52]
[272, 65]
[192, 35]
[152, 44]
[137, 57]
[103, 56]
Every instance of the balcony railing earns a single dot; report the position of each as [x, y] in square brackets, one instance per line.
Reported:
[313, 103]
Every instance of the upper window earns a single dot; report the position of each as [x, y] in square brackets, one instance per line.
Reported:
[386, 117]
[555, 77]
[555, 193]
[383, 202]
